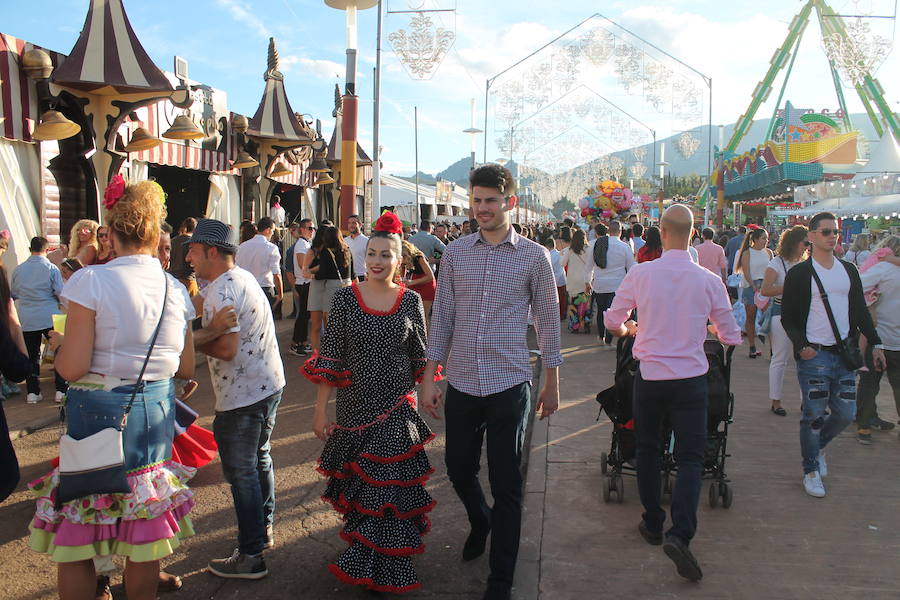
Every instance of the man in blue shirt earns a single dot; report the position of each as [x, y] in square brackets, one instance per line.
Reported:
[732, 247]
[428, 243]
[35, 286]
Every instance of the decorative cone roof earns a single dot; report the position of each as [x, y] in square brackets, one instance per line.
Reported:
[108, 58]
[885, 159]
[275, 118]
[334, 150]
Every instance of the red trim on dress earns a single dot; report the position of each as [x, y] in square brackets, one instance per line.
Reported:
[438, 374]
[370, 583]
[344, 506]
[413, 450]
[353, 468]
[358, 537]
[314, 373]
[372, 311]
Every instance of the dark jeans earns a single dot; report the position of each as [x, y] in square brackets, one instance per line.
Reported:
[504, 416]
[301, 325]
[270, 296]
[244, 439]
[33, 345]
[870, 384]
[683, 401]
[602, 302]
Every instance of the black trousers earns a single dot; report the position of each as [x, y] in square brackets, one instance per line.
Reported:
[870, 384]
[504, 417]
[33, 345]
[301, 324]
[602, 303]
[683, 401]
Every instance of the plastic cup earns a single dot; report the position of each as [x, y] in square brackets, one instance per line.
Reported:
[59, 324]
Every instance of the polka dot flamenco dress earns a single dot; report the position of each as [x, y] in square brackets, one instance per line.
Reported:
[374, 457]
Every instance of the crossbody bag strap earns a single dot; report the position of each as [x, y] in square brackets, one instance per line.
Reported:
[139, 386]
[838, 340]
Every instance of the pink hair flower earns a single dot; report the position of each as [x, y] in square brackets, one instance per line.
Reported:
[114, 191]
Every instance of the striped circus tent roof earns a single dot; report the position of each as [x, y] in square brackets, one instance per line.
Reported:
[334, 148]
[275, 119]
[19, 111]
[108, 58]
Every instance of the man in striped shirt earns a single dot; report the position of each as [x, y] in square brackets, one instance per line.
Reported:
[488, 285]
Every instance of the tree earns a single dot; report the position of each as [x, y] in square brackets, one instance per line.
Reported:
[562, 205]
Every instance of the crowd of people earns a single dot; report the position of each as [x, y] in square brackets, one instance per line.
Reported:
[381, 318]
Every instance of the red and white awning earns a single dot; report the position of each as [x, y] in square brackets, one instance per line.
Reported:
[19, 111]
[275, 119]
[108, 58]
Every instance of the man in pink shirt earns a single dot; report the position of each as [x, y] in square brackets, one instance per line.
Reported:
[712, 255]
[675, 299]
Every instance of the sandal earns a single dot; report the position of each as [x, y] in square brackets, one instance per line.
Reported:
[754, 353]
[779, 411]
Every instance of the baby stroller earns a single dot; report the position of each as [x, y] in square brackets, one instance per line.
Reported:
[579, 313]
[615, 401]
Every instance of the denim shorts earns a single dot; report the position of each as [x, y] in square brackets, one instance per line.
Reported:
[747, 293]
[151, 422]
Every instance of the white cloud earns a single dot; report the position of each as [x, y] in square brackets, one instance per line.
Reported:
[243, 13]
[321, 69]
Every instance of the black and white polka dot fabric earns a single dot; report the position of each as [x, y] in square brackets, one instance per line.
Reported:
[375, 457]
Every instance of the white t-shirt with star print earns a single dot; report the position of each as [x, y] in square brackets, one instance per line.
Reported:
[256, 372]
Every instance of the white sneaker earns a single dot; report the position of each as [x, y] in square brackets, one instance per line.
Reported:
[823, 466]
[59, 398]
[33, 398]
[813, 485]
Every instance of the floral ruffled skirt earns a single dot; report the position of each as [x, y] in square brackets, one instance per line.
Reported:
[145, 524]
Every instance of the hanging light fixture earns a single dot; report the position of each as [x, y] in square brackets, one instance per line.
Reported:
[318, 164]
[183, 128]
[55, 126]
[142, 140]
[279, 170]
[324, 179]
[244, 161]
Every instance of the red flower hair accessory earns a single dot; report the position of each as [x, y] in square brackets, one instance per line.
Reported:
[114, 191]
[389, 222]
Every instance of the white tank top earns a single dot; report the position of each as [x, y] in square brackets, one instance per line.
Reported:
[759, 261]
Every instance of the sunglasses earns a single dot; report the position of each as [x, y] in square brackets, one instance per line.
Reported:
[806, 243]
[828, 232]
[102, 235]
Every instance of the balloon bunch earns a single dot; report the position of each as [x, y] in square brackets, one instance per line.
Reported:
[606, 200]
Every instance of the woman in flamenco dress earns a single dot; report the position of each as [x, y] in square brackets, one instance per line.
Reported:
[373, 351]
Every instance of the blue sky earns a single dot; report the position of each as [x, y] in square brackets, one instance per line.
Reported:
[225, 43]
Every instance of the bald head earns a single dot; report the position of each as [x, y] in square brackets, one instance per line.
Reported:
[676, 226]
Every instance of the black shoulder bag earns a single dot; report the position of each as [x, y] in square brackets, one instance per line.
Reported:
[849, 352]
[96, 464]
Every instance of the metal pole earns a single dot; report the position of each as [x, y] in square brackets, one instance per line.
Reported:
[376, 128]
[416, 141]
[487, 90]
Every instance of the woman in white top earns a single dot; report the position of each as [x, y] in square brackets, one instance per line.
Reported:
[577, 263]
[113, 311]
[859, 251]
[611, 258]
[791, 250]
[752, 261]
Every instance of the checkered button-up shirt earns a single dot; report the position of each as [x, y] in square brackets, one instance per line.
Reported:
[481, 311]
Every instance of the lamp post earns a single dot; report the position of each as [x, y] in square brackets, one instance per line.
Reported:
[349, 101]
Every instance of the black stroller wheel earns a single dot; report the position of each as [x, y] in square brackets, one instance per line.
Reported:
[714, 494]
[607, 482]
[604, 466]
[727, 495]
[620, 489]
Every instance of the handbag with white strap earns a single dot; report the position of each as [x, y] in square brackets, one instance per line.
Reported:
[96, 464]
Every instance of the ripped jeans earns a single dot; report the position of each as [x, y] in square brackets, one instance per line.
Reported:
[824, 383]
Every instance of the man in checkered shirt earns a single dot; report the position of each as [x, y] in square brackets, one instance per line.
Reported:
[489, 282]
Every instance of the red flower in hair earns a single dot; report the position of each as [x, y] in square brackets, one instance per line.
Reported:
[114, 191]
[389, 222]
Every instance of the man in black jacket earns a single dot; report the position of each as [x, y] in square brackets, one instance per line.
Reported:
[825, 379]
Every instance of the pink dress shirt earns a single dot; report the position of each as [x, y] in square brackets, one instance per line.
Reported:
[712, 256]
[674, 297]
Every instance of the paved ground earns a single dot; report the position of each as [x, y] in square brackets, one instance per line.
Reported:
[775, 541]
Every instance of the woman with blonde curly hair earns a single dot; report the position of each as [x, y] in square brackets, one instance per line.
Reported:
[112, 315]
[418, 275]
[83, 243]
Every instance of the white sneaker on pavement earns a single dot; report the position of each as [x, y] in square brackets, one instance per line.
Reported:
[33, 398]
[823, 466]
[60, 397]
[813, 485]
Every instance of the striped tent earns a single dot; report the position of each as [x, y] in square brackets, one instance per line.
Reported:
[108, 59]
[18, 96]
[275, 119]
